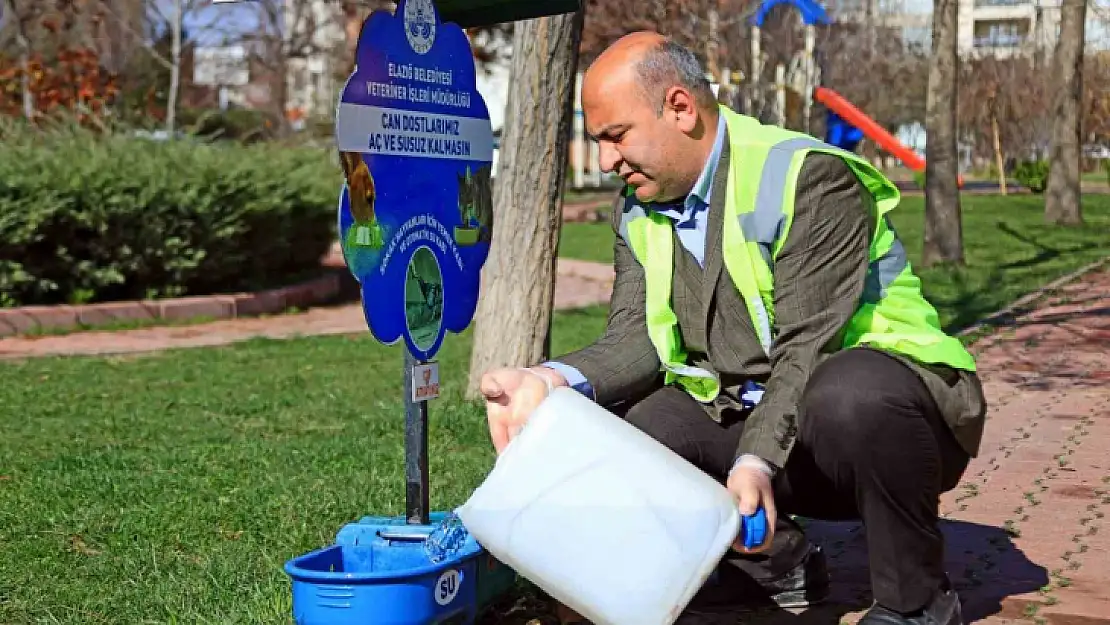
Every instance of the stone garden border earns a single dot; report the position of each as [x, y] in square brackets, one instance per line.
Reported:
[27, 319]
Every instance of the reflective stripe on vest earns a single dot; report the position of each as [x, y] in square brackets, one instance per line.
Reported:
[769, 219]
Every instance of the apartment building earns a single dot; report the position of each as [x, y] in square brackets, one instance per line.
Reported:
[1005, 28]
[913, 19]
[313, 76]
[998, 28]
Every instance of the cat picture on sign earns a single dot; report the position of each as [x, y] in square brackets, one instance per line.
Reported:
[475, 207]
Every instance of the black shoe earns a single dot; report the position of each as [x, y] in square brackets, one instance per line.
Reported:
[944, 610]
[735, 587]
[805, 585]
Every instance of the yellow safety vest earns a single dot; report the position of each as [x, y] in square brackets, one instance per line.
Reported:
[759, 209]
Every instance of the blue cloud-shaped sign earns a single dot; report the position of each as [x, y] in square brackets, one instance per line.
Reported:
[416, 209]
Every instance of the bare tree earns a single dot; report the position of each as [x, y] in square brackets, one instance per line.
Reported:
[49, 37]
[706, 26]
[295, 30]
[846, 47]
[943, 226]
[1062, 194]
[175, 66]
[513, 320]
[996, 143]
[1002, 107]
[353, 17]
[1096, 106]
[23, 14]
[121, 30]
[169, 15]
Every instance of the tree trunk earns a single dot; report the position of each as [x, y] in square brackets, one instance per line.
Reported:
[25, 77]
[21, 19]
[943, 228]
[513, 320]
[1061, 204]
[354, 14]
[352, 28]
[175, 70]
[660, 14]
[999, 161]
[713, 45]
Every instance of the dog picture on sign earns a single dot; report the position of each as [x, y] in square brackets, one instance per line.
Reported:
[366, 232]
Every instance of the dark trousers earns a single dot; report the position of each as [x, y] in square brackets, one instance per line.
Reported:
[871, 446]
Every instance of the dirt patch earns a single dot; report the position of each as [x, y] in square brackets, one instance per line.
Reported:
[1077, 491]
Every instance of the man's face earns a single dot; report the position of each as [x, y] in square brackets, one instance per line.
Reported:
[648, 151]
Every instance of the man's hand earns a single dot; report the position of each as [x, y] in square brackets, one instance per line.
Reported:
[752, 487]
[511, 395]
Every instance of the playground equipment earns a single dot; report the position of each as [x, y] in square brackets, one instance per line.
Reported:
[848, 118]
[846, 125]
[804, 74]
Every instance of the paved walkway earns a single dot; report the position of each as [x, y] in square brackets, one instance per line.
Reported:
[579, 284]
[1028, 539]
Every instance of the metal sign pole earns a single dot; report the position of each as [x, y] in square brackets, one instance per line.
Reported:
[416, 448]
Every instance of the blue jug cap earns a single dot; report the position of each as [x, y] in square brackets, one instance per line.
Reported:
[753, 529]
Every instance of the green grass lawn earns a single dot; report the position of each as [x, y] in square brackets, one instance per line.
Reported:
[171, 488]
[587, 241]
[1098, 175]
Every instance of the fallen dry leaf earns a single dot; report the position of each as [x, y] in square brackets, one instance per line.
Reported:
[78, 544]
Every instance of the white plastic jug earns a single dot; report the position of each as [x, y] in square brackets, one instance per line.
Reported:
[601, 516]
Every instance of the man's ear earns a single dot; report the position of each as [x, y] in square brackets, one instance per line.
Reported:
[680, 106]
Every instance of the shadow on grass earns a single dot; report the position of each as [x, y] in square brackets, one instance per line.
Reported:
[974, 300]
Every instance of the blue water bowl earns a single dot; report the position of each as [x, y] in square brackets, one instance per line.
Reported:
[377, 573]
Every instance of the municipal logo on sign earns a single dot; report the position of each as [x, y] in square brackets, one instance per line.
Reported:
[425, 382]
[447, 586]
[420, 25]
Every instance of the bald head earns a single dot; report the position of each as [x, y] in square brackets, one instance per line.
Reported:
[650, 64]
[646, 101]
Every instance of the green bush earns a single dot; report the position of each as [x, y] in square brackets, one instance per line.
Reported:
[919, 178]
[243, 125]
[1032, 175]
[87, 218]
[1106, 168]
